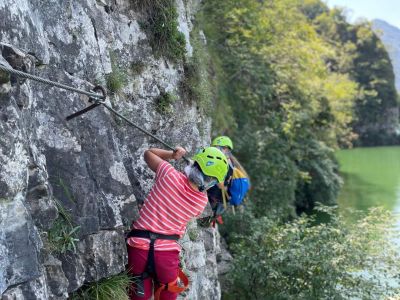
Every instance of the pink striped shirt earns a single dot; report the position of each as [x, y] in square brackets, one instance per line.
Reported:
[170, 205]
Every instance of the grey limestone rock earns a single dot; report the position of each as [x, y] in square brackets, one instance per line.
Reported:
[89, 168]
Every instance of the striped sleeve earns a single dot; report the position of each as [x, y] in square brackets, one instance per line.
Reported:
[203, 206]
[164, 169]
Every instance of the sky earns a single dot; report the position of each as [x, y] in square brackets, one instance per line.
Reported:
[387, 10]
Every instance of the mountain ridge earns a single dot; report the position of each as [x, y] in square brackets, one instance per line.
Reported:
[390, 36]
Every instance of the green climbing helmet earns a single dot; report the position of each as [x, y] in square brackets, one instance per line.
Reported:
[212, 162]
[222, 141]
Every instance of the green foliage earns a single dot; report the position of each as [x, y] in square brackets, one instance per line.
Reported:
[4, 77]
[137, 67]
[306, 260]
[273, 173]
[164, 103]
[67, 193]
[318, 179]
[288, 82]
[361, 54]
[293, 79]
[115, 287]
[193, 234]
[117, 78]
[276, 96]
[374, 71]
[162, 26]
[62, 237]
[313, 8]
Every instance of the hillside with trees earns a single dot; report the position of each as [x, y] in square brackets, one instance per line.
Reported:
[293, 81]
[361, 54]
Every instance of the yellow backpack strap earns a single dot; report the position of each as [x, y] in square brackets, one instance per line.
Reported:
[173, 286]
[224, 196]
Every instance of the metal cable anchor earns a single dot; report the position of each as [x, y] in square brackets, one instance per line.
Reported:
[96, 102]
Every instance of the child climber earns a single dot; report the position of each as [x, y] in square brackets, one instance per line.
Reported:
[215, 193]
[175, 198]
[231, 188]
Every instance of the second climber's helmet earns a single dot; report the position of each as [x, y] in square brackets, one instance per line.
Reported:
[222, 141]
[212, 162]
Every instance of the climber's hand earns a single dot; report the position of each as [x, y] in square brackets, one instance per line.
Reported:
[178, 153]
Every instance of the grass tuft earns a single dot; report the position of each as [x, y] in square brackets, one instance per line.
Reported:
[161, 24]
[164, 103]
[62, 236]
[137, 67]
[117, 78]
[115, 287]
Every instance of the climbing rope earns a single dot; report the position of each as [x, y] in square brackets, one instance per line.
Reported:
[95, 98]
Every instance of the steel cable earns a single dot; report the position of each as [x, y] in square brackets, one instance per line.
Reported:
[98, 99]
[49, 82]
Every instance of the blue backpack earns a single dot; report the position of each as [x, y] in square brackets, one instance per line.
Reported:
[238, 187]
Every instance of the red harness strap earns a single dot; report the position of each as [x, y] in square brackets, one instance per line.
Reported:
[173, 286]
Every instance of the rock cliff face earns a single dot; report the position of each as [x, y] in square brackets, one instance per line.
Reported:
[88, 172]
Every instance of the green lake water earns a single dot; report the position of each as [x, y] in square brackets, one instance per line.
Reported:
[371, 178]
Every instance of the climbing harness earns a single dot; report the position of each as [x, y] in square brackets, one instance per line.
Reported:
[151, 268]
[95, 98]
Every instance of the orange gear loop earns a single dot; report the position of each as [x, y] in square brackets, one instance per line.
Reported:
[173, 286]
